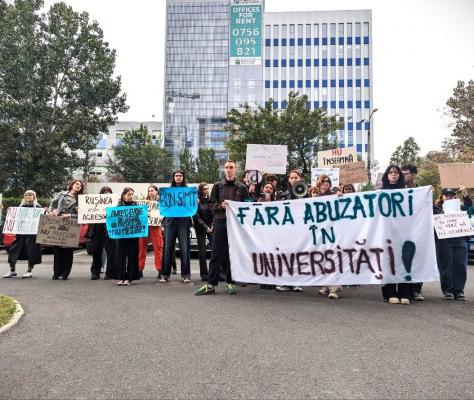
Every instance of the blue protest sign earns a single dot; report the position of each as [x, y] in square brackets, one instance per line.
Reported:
[127, 221]
[178, 201]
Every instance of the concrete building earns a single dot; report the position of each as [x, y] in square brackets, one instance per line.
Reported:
[112, 137]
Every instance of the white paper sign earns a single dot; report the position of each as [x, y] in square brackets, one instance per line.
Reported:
[22, 220]
[92, 207]
[333, 174]
[154, 216]
[453, 225]
[360, 238]
[451, 206]
[269, 158]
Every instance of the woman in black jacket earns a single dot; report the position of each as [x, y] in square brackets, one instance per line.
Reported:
[395, 293]
[452, 252]
[203, 220]
[126, 254]
[100, 240]
[25, 244]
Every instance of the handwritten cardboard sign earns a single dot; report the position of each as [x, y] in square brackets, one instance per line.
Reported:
[330, 158]
[454, 175]
[92, 207]
[333, 174]
[127, 222]
[22, 220]
[452, 225]
[154, 217]
[269, 158]
[352, 173]
[53, 231]
[178, 202]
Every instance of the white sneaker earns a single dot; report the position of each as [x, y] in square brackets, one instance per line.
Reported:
[324, 291]
[297, 289]
[394, 300]
[27, 274]
[186, 280]
[282, 288]
[10, 274]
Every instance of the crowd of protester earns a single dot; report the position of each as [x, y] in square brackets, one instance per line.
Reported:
[124, 259]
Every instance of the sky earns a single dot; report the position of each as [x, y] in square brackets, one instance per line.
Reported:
[420, 49]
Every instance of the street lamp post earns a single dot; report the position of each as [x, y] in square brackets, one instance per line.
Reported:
[369, 149]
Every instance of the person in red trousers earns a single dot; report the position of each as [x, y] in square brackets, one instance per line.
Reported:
[155, 234]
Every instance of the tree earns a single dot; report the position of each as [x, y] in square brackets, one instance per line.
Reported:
[461, 109]
[428, 173]
[304, 131]
[207, 166]
[407, 153]
[137, 159]
[187, 164]
[57, 93]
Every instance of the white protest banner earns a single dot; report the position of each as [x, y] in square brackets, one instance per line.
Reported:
[92, 207]
[453, 225]
[329, 158]
[22, 220]
[269, 158]
[333, 174]
[360, 238]
[154, 217]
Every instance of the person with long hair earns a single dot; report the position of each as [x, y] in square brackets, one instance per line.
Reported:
[126, 254]
[395, 293]
[65, 205]
[293, 177]
[25, 244]
[203, 225]
[177, 228]
[452, 252]
[323, 188]
[100, 240]
[155, 236]
[267, 193]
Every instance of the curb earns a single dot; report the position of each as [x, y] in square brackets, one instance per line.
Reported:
[15, 318]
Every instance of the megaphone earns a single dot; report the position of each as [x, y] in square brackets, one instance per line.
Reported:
[254, 177]
[299, 189]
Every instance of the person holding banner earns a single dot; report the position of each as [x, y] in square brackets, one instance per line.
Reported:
[227, 189]
[293, 177]
[394, 293]
[100, 240]
[154, 235]
[203, 226]
[323, 188]
[452, 252]
[126, 254]
[65, 205]
[25, 244]
[177, 228]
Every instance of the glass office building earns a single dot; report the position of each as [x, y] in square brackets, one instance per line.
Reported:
[223, 53]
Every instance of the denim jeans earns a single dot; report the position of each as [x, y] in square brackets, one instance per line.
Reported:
[177, 228]
[452, 264]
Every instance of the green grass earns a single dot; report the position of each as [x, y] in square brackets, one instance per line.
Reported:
[7, 309]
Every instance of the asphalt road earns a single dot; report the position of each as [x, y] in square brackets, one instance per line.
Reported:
[83, 339]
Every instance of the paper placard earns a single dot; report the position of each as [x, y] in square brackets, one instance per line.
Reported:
[330, 158]
[154, 217]
[453, 225]
[451, 206]
[268, 158]
[333, 174]
[22, 220]
[352, 173]
[178, 202]
[54, 231]
[92, 207]
[454, 175]
[125, 222]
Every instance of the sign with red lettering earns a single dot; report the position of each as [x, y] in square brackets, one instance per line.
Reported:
[330, 158]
